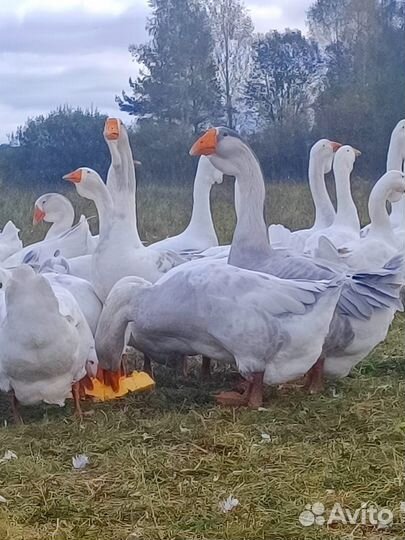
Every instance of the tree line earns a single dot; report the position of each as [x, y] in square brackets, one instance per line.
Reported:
[203, 65]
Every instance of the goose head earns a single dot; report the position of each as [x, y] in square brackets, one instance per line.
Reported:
[395, 182]
[225, 149]
[323, 151]
[86, 181]
[51, 207]
[115, 130]
[345, 158]
[112, 129]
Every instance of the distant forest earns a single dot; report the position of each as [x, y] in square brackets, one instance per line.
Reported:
[204, 65]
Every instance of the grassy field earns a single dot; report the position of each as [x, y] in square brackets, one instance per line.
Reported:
[161, 463]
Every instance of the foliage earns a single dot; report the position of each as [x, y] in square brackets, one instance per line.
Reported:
[178, 80]
[284, 69]
[163, 150]
[282, 90]
[364, 92]
[48, 147]
[232, 31]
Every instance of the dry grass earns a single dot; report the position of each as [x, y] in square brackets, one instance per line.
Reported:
[165, 211]
[161, 463]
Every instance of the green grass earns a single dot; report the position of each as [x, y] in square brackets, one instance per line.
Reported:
[161, 463]
[165, 210]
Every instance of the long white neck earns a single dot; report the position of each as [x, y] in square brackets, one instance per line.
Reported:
[395, 162]
[250, 239]
[380, 224]
[324, 210]
[121, 183]
[63, 221]
[346, 212]
[105, 207]
[201, 219]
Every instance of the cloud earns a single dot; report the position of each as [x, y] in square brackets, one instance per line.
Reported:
[70, 32]
[65, 56]
[278, 14]
[76, 51]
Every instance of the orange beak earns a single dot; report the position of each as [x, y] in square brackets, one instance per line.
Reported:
[112, 129]
[206, 145]
[38, 216]
[335, 146]
[74, 176]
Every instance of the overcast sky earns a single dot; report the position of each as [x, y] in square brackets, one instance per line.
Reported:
[54, 52]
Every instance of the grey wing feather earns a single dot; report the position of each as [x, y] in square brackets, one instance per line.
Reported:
[168, 260]
[366, 292]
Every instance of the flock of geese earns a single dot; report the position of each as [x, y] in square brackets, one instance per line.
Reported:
[279, 304]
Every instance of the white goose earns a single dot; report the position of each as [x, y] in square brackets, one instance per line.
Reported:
[320, 163]
[381, 242]
[118, 253]
[56, 209]
[273, 328]
[80, 289]
[74, 242]
[346, 224]
[395, 162]
[200, 233]
[45, 342]
[370, 300]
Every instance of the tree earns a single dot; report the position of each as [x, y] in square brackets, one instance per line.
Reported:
[364, 89]
[47, 147]
[232, 31]
[177, 82]
[285, 66]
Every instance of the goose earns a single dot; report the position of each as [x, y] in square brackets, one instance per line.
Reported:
[200, 233]
[81, 290]
[223, 311]
[56, 209]
[119, 252]
[121, 178]
[368, 298]
[369, 302]
[381, 243]
[346, 224]
[320, 163]
[45, 342]
[10, 241]
[72, 243]
[395, 161]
